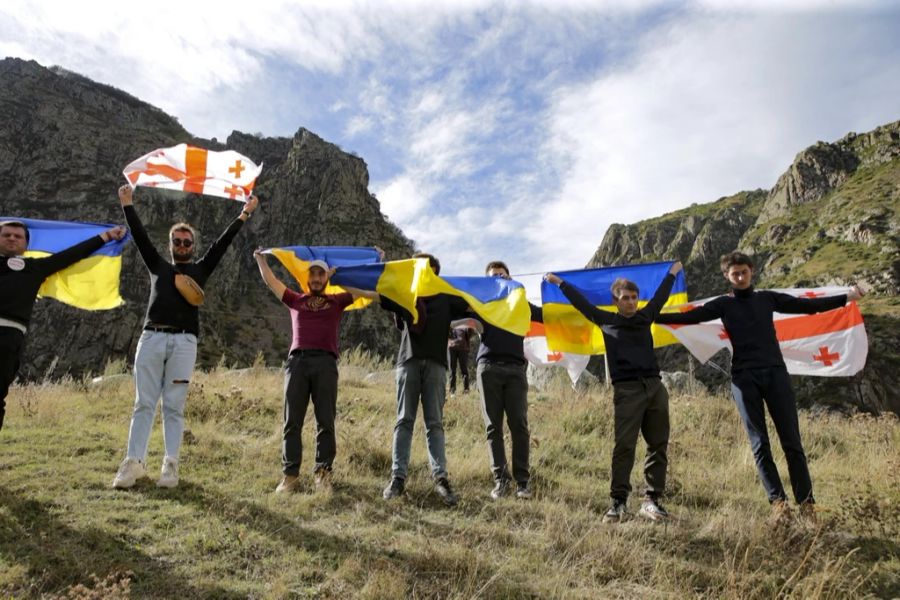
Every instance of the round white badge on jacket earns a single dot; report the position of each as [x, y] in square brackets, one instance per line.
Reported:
[15, 263]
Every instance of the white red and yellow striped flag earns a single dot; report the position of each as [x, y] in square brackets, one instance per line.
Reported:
[539, 354]
[195, 170]
[828, 344]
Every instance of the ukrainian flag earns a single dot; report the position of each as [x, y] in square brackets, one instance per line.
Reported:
[500, 302]
[296, 260]
[91, 283]
[569, 331]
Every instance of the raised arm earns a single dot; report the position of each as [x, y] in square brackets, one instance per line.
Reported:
[215, 253]
[652, 308]
[268, 276]
[69, 256]
[145, 247]
[590, 312]
[537, 313]
[785, 303]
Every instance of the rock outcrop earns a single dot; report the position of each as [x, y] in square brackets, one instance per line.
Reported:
[63, 143]
[833, 218]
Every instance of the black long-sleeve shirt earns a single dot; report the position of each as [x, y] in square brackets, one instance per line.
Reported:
[20, 283]
[427, 338]
[747, 317]
[166, 306]
[500, 345]
[629, 343]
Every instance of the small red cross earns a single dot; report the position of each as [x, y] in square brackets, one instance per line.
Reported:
[826, 358]
[554, 356]
[811, 294]
[236, 169]
[233, 191]
[723, 335]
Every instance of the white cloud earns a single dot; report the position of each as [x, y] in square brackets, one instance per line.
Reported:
[403, 198]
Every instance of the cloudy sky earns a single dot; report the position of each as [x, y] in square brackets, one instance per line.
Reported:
[515, 130]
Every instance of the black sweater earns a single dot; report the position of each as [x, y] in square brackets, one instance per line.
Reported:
[428, 338]
[19, 287]
[166, 306]
[499, 345]
[629, 343]
[747, 316]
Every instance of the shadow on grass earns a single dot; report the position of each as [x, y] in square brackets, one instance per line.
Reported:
[58, 556]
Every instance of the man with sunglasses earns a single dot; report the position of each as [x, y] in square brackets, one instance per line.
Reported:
[167, 347]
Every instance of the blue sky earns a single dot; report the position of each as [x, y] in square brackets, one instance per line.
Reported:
[510, 130]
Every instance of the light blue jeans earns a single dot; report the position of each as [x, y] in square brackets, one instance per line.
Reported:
[425, 379]
[163, 366]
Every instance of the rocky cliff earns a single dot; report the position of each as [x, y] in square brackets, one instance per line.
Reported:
[833, 218]
[63, 143]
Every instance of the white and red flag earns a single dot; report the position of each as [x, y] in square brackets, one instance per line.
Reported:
[195, 170]
[539, 354]
[828, 344]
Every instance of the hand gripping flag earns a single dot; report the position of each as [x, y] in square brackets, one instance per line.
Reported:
[500, 302]
[296, 260]
[828, 344]
[539, 354]
[195, 170]
[91, 283]
[568, 330]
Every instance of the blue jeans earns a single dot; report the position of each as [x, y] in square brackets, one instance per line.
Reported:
[163, 366]
[772, 386]
[420, 378]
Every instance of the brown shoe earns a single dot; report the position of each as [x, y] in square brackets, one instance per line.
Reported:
[323, 480]
[781, 514]
[808, 512]
[289, 483]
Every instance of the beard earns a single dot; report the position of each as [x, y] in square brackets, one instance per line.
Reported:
[182, 255]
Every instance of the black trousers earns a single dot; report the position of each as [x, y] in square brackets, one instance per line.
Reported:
[754, 389]
[459, 358]
[504, 389]
[309, 374]
[11, 343]
[640, 406]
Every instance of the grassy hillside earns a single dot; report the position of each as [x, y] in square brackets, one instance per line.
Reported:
[224, 534]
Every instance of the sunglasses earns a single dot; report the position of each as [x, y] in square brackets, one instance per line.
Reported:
[182, 242]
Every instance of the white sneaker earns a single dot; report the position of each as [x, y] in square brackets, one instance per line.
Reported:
[168, 477]
[129, 472]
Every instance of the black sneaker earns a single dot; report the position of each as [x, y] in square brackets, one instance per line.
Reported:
[442, 487]
[523, 491]
[394, 489]
[501, 488]
[651, 509]
[616, 512]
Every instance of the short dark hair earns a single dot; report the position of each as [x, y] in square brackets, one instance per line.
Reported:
[620, 285]
[496, 264]
[435, 263]
[734, 258]
[18, 224]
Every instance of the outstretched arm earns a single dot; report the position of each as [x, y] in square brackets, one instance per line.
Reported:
[708, 312]
[268, 276]
[69, 256]
[215, 253]
[785, 303]
[590, 312]
[356, 292]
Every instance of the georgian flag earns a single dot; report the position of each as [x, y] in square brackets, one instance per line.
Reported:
[539, 354]
[828, 344]
[195, 170]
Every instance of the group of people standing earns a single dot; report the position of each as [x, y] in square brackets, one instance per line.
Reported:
[166, 353]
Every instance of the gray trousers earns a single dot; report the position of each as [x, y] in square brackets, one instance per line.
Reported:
[504, 389]
[309, 374]
[420, 379]
[640, 406]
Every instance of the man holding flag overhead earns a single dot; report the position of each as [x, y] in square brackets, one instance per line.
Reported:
[640, 400]
[21, 279]
[759, 376]
[311, 370]
[167, 348]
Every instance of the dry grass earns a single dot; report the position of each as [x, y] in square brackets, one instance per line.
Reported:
[224, 534]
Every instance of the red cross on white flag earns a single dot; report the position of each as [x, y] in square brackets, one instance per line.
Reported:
[195, 170]
[829, 344]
